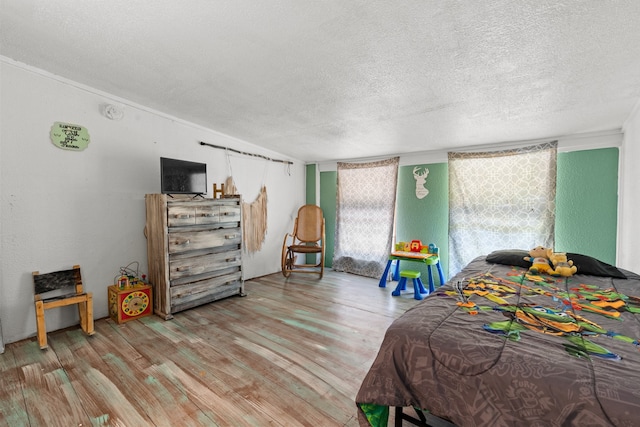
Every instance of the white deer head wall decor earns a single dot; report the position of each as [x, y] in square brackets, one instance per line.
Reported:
[421, 178]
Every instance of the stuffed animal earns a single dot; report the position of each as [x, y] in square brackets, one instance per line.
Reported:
[539, 258]
[561, 265]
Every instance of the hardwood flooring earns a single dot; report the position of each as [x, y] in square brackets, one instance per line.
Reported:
[293, 352]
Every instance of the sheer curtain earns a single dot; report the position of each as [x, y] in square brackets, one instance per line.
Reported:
[365, 216]
[500, 200]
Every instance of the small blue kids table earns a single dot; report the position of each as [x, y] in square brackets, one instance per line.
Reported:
[425, 258]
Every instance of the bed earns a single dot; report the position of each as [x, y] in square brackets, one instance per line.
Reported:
[500, 346]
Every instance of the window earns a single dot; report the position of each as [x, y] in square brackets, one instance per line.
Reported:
[365, 210]
[500, 200]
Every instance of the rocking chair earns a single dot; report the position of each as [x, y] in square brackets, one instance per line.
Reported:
[307, 239]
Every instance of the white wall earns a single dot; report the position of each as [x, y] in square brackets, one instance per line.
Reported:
[60, 207]
[629, 195]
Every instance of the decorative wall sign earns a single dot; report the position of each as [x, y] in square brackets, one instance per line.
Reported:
[69, 136]
[421, 178]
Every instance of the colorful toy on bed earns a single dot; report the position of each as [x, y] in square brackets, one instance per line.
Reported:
[561, 265]
[540, 260]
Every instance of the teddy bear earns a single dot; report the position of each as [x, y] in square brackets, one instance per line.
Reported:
[561, 265]
[539, 258]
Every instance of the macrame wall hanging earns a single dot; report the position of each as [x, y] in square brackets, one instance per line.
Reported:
[254, 214]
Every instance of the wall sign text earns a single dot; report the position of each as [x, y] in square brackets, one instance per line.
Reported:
[69, 136]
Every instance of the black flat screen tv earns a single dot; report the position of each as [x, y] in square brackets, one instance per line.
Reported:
[182, 177]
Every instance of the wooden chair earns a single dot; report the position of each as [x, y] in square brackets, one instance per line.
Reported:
[307, 238]
[59, 289]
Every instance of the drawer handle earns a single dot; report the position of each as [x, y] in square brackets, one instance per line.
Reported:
[208, 215]
[230, 236]
[183, 268]
[183, 216]
[232, 259]
[182, 243]
[228, 213]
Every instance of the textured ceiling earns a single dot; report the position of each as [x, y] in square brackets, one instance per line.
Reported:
[343, 79]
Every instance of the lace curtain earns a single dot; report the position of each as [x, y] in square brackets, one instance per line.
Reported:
[365, 216]
[500, 200]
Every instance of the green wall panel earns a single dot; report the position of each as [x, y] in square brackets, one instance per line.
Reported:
[586, 203]
[311, 184]
[328, 193]
[424, 219]
[310, 181]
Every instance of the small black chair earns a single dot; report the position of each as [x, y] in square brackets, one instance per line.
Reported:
[59, 289]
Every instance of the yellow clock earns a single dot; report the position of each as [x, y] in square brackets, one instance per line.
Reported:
[135, 303]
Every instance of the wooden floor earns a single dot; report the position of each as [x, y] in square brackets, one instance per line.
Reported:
[293, 352]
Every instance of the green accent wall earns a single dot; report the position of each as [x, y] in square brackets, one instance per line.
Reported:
[424, 219]
[587, 203]
[311, 200]
[328, 194]
[586, 206]
[311, 184]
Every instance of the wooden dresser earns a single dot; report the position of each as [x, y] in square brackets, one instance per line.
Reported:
[194, 251]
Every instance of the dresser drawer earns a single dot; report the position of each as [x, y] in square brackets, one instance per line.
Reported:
[179, 215]
[230, 213]
[207, 214]
[215, 214]
[204, 291]
[185, 241]
[192, 266]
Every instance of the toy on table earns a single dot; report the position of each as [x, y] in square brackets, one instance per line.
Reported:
[403, 247]
[540, 260]
[416, 246]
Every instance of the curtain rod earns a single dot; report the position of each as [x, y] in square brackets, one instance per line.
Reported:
[287, 162]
